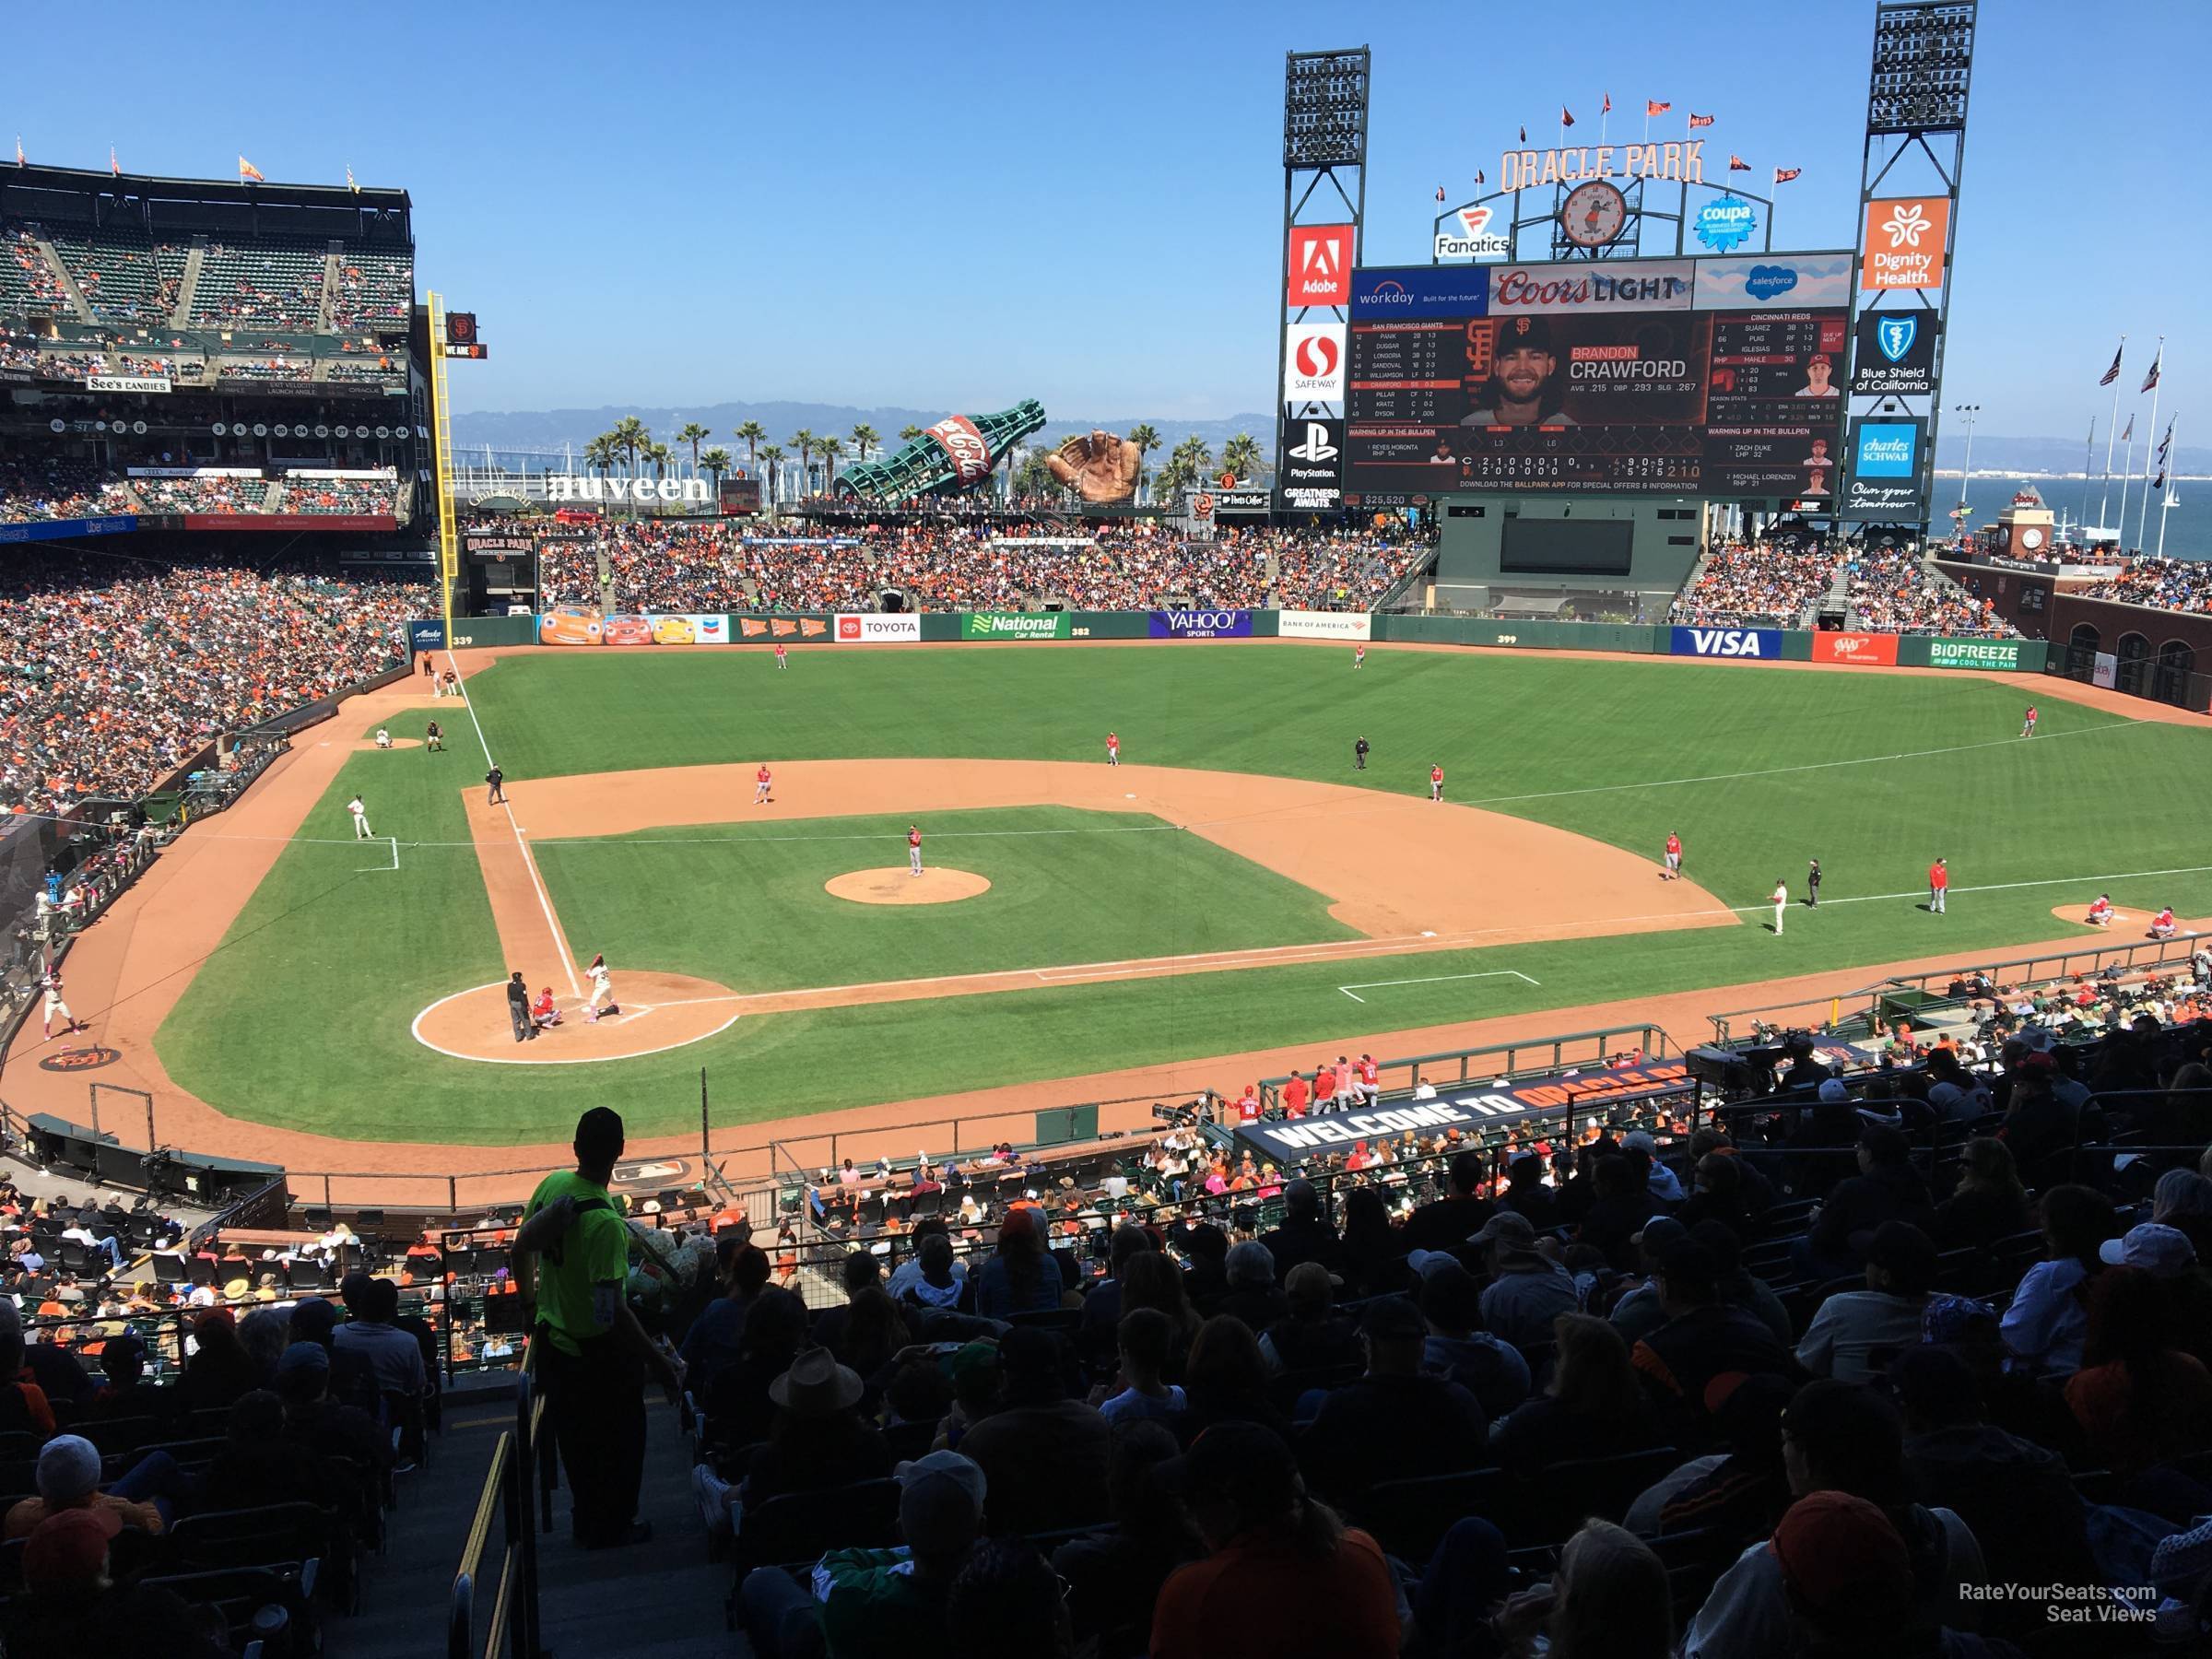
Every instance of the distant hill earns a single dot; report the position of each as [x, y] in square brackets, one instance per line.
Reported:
[572, 428]
[1994, 453]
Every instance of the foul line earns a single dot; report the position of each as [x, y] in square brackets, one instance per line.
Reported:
[1357, 986]
[545, 903]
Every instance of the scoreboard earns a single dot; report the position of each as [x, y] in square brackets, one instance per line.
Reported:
[1596, 378]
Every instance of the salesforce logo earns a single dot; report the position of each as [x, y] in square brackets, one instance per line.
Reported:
[1767, 281]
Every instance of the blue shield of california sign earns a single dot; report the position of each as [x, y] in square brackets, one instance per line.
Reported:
[1895, 337]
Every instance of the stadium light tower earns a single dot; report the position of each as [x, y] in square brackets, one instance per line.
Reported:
[1325, 202]
[1915, 151]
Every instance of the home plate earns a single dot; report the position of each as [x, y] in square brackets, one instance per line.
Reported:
[1128, 797]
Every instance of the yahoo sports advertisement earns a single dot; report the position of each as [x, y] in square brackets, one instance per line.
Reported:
[1201, 624]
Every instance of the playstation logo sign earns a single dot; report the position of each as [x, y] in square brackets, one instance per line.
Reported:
[1317, 447]
[1311, 479]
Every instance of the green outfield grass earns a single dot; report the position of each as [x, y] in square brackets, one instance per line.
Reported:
[743, 903]
[302, 1016]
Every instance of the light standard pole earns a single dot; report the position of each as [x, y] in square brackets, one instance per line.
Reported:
[1965, 477]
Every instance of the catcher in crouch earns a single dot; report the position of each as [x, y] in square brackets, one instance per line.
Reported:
[1101, 467]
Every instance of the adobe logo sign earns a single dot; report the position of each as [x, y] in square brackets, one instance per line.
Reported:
[1313, 362]
[1321, 265]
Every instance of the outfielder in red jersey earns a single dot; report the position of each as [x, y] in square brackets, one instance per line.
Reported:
[1939, 883]
[1436, 782]
[913, 850]
[781, 663]
[1113, 749]
[2027, 723]
[1673, 858]
[760, 784]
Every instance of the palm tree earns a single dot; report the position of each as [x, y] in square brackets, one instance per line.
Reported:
[752, 434]
[692, 433]
[1147, 438]
[630, 435]
[599, 454]
[1241, 455]
[716, 462]
[830, 449]
[774, 455]
[864, 439]
[908, 432]
[803, 441]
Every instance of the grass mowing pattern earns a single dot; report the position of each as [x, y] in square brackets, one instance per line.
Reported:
[2092, 794]
[743, 903]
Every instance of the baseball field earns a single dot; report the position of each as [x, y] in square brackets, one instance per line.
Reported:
[1234, 885]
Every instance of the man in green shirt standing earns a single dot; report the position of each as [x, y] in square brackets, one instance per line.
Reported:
[571, 1256]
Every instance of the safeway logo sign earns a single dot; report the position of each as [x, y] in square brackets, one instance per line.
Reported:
[1317, 446]
[1905, 238]
[1313, 362]
[1321, 264]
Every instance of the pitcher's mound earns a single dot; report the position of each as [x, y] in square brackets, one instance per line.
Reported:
[2127, 923]
[896, 885]
[660, 1011]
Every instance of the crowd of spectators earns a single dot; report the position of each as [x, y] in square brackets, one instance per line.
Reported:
[57, 489]
[954, 564]
[33, 275]
[79, 364]
[114, 672]
[1857, 1369]
[206, 493]
[356, 496]
[1767, 582]
[1893, 591]
[2177, 584]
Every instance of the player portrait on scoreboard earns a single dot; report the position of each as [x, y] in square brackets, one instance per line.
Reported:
[1525, 387]
[1819, 377]
[1818, 467]
[1443, 455]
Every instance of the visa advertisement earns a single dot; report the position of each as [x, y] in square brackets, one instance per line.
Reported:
[1751, 644]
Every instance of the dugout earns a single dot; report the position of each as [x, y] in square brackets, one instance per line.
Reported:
[1594, 557]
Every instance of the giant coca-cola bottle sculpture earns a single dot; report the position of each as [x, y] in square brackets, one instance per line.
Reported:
[957, 453]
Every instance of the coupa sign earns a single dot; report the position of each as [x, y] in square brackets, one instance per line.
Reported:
[569, 486]
[1201, 624]
[1764, 644]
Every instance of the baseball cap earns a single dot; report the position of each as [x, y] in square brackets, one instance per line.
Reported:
[1833, 1093]
[1393, 1319]
[2161, 1251]
[302, 1356]
[1508, 1228]
[314, 1319]
[1425, 1262]
[1833, 1547]
[1638, 1140]
[941, 1499]
[1515, 332]
[1659, 1232]
[69, 1469]
[67, 1551]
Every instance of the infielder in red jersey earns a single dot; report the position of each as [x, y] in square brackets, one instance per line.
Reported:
[913, 850]
[1113, 749]
[2027, 723]
[761, 780]
[1673, 858]
[1436, 782]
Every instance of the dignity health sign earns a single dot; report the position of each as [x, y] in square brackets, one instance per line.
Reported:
[1201, 624]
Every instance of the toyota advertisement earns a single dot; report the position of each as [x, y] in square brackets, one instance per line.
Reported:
[874, 629]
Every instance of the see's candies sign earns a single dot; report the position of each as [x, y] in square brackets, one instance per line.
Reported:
[1878, 650]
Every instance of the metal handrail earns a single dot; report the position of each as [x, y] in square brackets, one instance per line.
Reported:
[514, 1618]
[461, 1610]
[2161, 952]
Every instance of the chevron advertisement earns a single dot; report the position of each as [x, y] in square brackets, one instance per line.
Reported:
[1752, 644]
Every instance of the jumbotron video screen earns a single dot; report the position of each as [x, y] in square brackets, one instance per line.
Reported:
[1674, 376]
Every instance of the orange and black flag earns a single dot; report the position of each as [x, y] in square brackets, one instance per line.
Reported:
[1738, 164]
[246, 169]
[1566, 116]
[1697, 120]
[1652, 106]
[1783, 176]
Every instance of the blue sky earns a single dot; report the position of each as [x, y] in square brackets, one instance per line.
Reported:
[946, 207]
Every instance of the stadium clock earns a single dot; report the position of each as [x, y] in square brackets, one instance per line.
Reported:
[1594, 214]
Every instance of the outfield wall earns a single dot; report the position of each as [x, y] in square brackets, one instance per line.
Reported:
[1198, 626]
